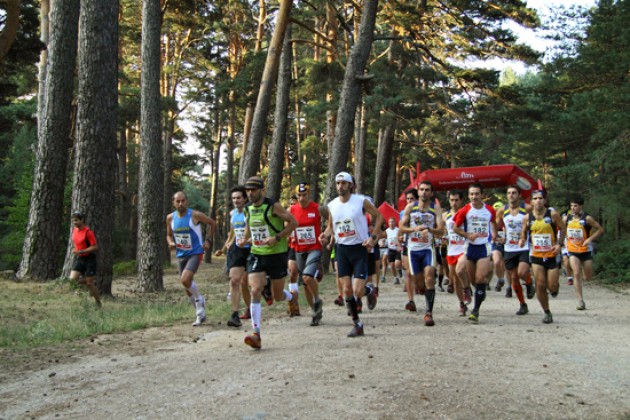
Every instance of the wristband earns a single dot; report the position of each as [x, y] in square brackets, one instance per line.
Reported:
[278, 237]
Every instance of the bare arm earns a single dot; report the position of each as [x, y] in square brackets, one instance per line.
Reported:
[289, 224]
[169, 232]
[378, 219]
[599, 230]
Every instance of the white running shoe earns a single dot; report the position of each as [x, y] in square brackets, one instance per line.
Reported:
[200, 305]
[200, 320]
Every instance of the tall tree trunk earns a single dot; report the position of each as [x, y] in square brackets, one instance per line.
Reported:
[214, 186]
[40, 254]
[151, 229]
[278, 142]
[351, 95]
[95, 163]
[44, 36]
[251, 158]
[11, 26]
[360, 146]
[167, 191]
[383, 163]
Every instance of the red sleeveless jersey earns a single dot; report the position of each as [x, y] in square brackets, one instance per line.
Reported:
[306, 235]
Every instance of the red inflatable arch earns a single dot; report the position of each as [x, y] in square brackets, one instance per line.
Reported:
[494, 176]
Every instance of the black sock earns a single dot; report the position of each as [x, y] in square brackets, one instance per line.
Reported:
[429, 296]
[440, 279]
[480, 295]
[368, 290]
[352, 304]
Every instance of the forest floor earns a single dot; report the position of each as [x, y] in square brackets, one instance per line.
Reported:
[507, 366]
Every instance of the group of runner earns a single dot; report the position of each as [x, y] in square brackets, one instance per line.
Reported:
[267, 242]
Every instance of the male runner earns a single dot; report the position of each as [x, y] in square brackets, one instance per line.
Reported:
[85, 248]
[455, 252]
[476, 221]
[268, 226]
[393, 250]
[421, 221]
[582, 230]
[348, 223]
[183, 233]
[237, 256]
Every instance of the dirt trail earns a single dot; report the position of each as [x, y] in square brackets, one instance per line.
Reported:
[504, 367]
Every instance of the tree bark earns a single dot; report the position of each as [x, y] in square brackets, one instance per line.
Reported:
[383, 163]
[360, 146]
[251, 158]
[278, 142]
[95, 163]
[350, 96]
[44, 36]
[151, 229]
[40, 255]
[11, 26]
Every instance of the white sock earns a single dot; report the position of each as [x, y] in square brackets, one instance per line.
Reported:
[293, 287]
[256, 312]
[194, 291]
[287, 295]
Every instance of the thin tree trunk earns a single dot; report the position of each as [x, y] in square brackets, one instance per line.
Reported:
[278, 142]
[360, 147]
[383, 163]
[40, 254]
[351, 95]
[251, 159]
[44, 36]
[95, 163]
[151, 183]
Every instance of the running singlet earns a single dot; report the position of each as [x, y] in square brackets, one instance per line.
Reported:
[187, 235]
[419, 241]
[455, 242]
[349, 224]
[392, 238]
[513, 227]
[309, 227]
[238, 225]
[542, 235]
[476, 220]
[263, 224]
[578, 230]
[83, 238]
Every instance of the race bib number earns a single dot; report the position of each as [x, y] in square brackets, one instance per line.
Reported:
[513, 238]
[501, 234]
[239, 233]
[418, 238]
[479, 227]
[455, 239]
[183, 241]
[259, 235]
[575, 235]
[541, 242]
[305, 235]
[393, 243]
[346, 229]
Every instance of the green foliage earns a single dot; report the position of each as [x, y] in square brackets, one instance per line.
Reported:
[613, 261]
[125, 268]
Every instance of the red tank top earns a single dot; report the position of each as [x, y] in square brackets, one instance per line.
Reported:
[306, 235]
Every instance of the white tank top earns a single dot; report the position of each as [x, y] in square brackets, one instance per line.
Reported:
[455, 242]
[513, 225]
[348, 221]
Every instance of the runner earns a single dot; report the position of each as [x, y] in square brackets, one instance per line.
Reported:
[541, 225]
[85, 247]
[237, 256]
[498, 252]
[476, 222]
[293, 307]
[348, 223]
[268, 226]
[183, 233]
[394, 256]
[516, 257]
[308, 249]
[422, 221]
[582, 230]
[455, 252]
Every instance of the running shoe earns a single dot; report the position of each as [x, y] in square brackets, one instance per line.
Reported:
[548, 318]
[411, 306]
[200, 306]
[450, 289]
[441, 288]
[499, 285]
[339, 301]
[199, 320]
[234, 321]
[554, 294]
[474, 316]
[372, 298]
[523, 309]
[428, 319]
[357, 330]
[531, 291]
[266, 292]
[247, 314]
[383, 279]
[570, 281]
[294, 306]
[463, 308]
[318, 311]
[581, 306]
[396, 280]
[508, 292]
[254, 341]
[468, 295]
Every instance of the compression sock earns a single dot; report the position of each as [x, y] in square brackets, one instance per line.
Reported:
[351, 303]
[480, 295]
[518, 289]
[429, 297]
[256, 312]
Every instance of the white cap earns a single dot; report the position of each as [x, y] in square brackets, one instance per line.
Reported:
[344, 176]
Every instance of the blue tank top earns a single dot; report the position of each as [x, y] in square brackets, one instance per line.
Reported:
[187, 235]
[238, 224]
